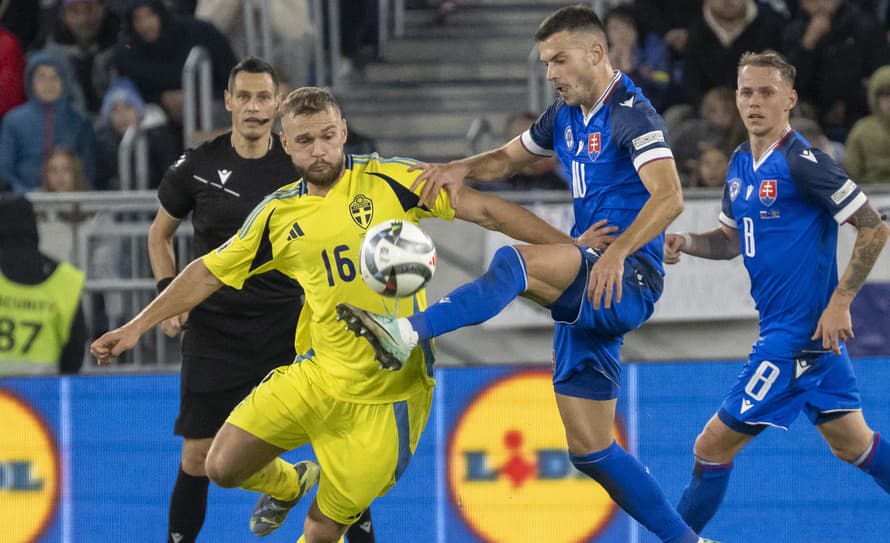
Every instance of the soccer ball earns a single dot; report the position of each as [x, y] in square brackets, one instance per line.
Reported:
[397, 258]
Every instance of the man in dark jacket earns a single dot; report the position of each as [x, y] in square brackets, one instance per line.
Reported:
[835, 47]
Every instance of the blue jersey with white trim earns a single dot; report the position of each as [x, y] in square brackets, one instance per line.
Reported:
[787, 206]
[604, 150]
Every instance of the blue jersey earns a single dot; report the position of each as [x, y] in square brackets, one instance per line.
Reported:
[787, 206]
[604, 150]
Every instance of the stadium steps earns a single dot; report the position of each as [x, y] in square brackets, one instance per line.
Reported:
[422, 98]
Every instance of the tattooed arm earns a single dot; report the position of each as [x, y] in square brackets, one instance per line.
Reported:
[835, 323]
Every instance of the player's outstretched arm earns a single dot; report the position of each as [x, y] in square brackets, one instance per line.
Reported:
[494, 213]
[835, 324]
[163, 263]
[721, 243]
[190, 288]
[664, 205]
[489, 166]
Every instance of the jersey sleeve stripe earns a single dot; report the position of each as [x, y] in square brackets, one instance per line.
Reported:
[725, 219]
[847, 211]
[526, 140]
[652, 155]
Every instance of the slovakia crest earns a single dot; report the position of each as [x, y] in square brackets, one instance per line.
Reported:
[734, 187]
[768, 192]
[570, 141]
[594, 141]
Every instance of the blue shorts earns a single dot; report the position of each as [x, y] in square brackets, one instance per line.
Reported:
[587, 342]
[772, 391]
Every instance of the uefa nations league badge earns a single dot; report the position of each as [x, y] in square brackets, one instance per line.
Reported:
[734, 186]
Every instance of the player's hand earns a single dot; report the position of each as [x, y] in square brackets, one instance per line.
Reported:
[673, 247]
[173, 325]
[834, 325]
[113, 343]
[435, 177]
[598, 235]
[606, 279]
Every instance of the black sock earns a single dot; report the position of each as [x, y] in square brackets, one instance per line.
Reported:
[188, 504]
[363, 530]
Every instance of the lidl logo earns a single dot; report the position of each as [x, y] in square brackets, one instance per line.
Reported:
[509, 472]
[29, 471]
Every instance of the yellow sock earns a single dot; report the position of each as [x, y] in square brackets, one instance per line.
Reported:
[277, 479]
[303, 539]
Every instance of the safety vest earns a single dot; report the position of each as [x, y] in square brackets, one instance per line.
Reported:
[35, 321]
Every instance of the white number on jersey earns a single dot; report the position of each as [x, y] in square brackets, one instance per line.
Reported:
[748, 237]
[579, 181]
[762, 380]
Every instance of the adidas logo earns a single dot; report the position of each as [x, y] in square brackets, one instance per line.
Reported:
[295, 232]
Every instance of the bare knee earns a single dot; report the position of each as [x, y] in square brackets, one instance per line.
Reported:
[318, 528]
[221, 471]
[849, 450]
[717, 443]
[194, 454]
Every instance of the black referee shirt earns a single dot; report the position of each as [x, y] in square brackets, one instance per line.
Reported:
[234, 337]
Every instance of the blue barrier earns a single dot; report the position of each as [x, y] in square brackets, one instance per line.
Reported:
[93, 458]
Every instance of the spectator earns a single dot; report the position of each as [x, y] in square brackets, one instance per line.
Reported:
[41, 299]
[154, 49]
[642, 56]
[122, 108]
[64, 173]
[711, 167]
[85, 31]
[22, 18]
[292, 33]
[540, 175]
[47, 120]
[718, 37]
[867, 157]
[718, 125]
[12, 70]
[835, 46]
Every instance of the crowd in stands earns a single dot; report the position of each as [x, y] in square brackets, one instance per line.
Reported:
[76, 74]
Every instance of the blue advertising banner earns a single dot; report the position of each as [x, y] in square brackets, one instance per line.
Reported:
[93, 458]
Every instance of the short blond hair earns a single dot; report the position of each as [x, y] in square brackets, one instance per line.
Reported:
[770, 59]
[308, 100]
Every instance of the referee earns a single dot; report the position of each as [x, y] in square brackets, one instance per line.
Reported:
[235, 337]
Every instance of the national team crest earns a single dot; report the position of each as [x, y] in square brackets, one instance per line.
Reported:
[768, 192]
[593, 145]
[362, 210]
[570, 141]
[734, 187]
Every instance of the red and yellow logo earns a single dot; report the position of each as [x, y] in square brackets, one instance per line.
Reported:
[29, 471]
[509, 471]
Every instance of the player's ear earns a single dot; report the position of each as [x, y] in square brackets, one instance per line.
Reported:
[227, 98]
[792, 100]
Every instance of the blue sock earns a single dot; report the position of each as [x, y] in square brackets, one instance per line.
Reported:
[477, 301]
[631, 486]
[704, 494]
[877, 462]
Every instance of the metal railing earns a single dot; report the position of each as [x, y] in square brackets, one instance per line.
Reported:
[197, 87]
[540, 91]
[132, 160]
[257, 28]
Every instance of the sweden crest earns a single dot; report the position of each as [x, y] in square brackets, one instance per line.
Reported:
[362, 210]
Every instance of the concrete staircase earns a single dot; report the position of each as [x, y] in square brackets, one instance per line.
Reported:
[434, 81]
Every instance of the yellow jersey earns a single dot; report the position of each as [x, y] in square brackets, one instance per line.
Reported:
[316, 240]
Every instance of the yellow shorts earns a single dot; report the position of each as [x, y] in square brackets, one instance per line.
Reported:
[362, 448]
